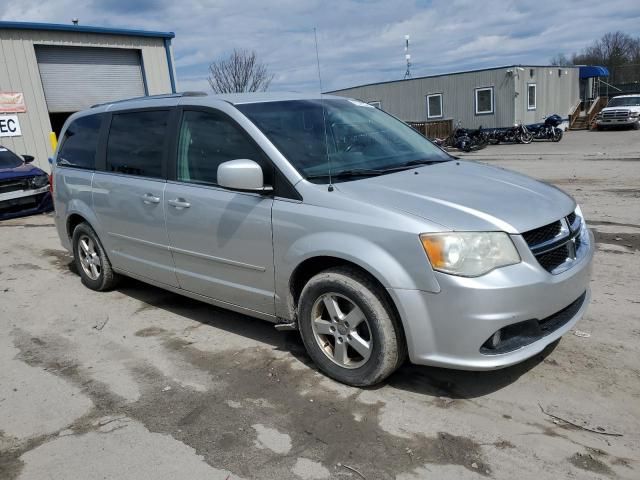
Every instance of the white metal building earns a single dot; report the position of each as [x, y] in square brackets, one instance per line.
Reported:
[491, 97]
[49, 71]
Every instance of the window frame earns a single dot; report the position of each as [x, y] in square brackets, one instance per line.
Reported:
[535, 96]
[282, 187]
[429, 116]
[102, 119]
[493, 108]
[103, 141]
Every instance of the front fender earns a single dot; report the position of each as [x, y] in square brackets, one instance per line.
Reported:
[389, 268]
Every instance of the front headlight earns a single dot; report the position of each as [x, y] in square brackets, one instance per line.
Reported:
[469, 254]
[39, 181]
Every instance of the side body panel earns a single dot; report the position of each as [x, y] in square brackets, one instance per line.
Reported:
[221, 244]
[130, 211]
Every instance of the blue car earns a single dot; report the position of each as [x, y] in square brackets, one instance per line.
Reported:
[24, 188]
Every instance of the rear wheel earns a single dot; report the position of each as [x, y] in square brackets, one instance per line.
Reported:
[91, 260]
[348, 327]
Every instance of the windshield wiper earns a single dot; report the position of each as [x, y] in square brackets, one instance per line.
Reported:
[411, 164]
[355, 172]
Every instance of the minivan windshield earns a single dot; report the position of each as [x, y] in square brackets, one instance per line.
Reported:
[624, 102]
[347, 137]
[8, 159]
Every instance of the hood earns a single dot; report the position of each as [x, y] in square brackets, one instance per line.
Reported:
[633, 108]
[466, 196]
[21, 171]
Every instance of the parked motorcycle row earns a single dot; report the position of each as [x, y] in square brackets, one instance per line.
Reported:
[469, 140]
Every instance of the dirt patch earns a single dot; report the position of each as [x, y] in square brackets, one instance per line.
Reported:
[628, 240]
[590, 463]
[316, 420]
[61, 259]
[613, 224]
[25, 266]
[150, 332]
[627, 192]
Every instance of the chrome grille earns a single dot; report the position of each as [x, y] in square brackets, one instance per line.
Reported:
[557, 245]
[615, 114]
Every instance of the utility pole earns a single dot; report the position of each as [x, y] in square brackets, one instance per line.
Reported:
[407, 57]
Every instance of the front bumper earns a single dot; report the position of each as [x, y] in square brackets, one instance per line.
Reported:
[25, 202]
[449, 328]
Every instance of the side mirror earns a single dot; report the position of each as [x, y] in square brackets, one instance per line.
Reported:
[28, 158]
[242, 174]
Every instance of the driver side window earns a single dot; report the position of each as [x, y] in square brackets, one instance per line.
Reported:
[206, 140]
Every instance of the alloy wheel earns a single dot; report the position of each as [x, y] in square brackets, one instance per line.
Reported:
[341, 330]
[89, 258]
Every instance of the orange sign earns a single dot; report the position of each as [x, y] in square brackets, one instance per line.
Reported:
[12, 102]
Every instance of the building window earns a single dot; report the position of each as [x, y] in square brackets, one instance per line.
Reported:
[377, 104]
[531, 96]
[434, 105]
[484, 101]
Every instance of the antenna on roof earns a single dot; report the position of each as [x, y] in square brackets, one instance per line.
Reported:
[407, 57]
[75, 21]
[324, 116]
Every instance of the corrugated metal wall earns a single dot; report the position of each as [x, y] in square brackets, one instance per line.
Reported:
[19, 73]
[558, 90]
[406, 99]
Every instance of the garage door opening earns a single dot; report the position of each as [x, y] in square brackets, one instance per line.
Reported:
[74, 78]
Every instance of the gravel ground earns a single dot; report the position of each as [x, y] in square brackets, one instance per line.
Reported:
[141, 383]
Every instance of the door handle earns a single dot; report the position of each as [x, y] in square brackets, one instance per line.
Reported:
[179, 203]
[150, 198]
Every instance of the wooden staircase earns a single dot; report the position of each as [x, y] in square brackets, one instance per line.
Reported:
[580, 123]
[584, 120]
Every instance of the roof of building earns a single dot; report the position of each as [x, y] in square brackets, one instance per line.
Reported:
[453, 73]
[83, 29]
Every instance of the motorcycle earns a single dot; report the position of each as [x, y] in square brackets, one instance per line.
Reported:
[464, 139]
[548, 130]
[517, 134]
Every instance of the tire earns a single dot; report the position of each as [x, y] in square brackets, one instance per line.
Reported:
[557, 136]
[346, 293]
[91, 261]
[526, 138]
[636, 126]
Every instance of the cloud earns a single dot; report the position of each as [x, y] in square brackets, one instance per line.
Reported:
[359, 41]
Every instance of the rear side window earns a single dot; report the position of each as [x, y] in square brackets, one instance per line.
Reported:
[136, 143]
[78, 147]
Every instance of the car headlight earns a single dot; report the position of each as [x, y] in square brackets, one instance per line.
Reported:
[39, 181]
[469, 254]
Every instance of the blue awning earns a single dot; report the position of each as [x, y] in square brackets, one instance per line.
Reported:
[591, 71]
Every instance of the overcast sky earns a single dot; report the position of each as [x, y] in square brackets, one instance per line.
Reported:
[360, 41]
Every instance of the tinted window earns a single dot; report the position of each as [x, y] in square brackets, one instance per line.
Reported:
[79, 143]
[347, 134]
[136, 143]
[208, 139]
[8, 159]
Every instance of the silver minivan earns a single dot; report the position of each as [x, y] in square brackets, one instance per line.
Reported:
[325, 215]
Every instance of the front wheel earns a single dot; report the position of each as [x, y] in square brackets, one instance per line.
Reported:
[348, 327]
[557, 135]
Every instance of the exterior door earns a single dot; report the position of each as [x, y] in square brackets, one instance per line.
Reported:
[220, 240]
[129, 197]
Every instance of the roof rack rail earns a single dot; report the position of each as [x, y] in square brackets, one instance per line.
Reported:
[152, 97]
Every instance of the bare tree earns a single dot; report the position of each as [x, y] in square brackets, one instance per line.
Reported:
[239, 72]
[616, 51]
[560, 60]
